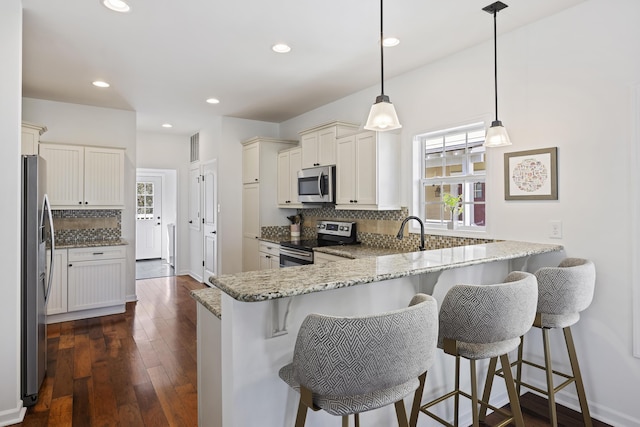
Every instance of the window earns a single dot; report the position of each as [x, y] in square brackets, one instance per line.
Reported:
[452, 161]
[144, 196]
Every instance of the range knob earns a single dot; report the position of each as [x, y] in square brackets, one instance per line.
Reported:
[321, 226]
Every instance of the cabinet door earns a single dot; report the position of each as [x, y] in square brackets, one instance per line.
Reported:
[295, 164]
[346, 171]
[251, 211]
[309, 144]
[250, 254]
[94, 284]
[327, 146]
[266, 261]
[103, 177]
[57, 302]
[284, 176]
[29, 140]
[65, 174]
[251, 163]
[366, 169]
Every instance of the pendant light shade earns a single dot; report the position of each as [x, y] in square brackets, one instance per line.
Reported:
[497, 134]
[382, 116]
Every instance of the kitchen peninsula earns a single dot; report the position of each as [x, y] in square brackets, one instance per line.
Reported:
[247, 324]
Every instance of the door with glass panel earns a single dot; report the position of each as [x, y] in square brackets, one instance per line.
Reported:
[148, 217]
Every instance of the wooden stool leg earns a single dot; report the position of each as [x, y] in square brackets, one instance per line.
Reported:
[401, 414]
[511, 390]
[417, 400]
[551, 395]
[474, 393]
[356, 420]
[345, 421]
[519, 365]
[491, 374]
[575, 368]
[301, 417]
[456, 398]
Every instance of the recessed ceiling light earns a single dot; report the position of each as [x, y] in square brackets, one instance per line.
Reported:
[116, 5]
[281, 48]
[100, 83]
[213, 101]
[167, 125]
[390, 42]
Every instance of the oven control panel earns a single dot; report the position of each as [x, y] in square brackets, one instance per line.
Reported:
[336, 228]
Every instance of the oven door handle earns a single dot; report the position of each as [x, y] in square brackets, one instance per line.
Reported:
[296, 253]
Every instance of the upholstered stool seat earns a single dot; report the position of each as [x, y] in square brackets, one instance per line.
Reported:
[349, 365]
[564, 292]
[483, 322]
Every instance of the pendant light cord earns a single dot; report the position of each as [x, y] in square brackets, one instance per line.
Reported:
[495, 59]
[381, 52]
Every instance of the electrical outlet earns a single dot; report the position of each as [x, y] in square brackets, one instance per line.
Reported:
[555, 229]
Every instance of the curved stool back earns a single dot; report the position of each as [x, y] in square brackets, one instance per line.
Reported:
[348, 365]
[481, 322]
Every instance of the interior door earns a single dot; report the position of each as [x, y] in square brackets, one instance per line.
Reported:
[196, 269]
[148, 217]
[210, 218]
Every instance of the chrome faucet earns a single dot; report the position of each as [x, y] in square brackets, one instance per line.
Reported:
[401, 232]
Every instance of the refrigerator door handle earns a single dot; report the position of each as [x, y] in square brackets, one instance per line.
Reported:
[46, 206]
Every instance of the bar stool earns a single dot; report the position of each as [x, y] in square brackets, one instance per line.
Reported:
[349, 365]
[483, 322]
[564, 292]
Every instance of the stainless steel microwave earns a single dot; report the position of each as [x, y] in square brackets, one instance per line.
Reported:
[317, 185]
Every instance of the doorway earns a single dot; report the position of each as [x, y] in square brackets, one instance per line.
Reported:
[156, 214]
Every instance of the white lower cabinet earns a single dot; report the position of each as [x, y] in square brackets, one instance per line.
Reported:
[90, 283]
[269, 255]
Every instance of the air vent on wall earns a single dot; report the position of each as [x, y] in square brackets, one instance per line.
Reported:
[195, 147]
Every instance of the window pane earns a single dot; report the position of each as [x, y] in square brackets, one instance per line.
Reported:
[140, 201]
[148, 200]
[140, 187]
[149, 188]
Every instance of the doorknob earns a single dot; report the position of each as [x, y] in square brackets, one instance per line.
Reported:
[157, 223]
[214, 232]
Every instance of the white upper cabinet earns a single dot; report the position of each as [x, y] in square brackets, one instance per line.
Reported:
[319, 143]
[368, 172]
[289, 163]
[31, 137]
[87, 177]
[251, 163]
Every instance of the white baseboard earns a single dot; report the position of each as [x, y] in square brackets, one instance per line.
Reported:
[13, 416]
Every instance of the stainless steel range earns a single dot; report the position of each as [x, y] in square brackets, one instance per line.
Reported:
[330, 233]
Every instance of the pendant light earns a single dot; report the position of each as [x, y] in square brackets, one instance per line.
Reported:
[382, 116]
[497, 134]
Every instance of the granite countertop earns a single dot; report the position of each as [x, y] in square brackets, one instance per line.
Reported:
[89, 244]
[265, 285]
[210, 298]
[358, 251]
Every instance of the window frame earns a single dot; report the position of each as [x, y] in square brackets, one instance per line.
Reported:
[468, 180]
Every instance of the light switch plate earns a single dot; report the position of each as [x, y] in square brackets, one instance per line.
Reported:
[555, 229]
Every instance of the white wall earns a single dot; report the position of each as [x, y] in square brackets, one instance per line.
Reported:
[170, 152]
[222, 140]
[106, 127]
[11, 410]
[566, 81]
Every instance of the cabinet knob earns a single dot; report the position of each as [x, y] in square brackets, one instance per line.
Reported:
[86, 203]
[70, 265]
[190, 222]
[214, 232]
[268, 256]
[79, 203]
[255, 179]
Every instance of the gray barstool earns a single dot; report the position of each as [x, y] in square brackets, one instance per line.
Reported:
[349, 365]
[483, 322]
[564, 292]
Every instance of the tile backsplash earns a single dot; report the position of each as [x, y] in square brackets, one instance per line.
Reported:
[77, 226]
[375, 228]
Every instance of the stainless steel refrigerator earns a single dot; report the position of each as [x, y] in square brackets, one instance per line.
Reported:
[37, 237]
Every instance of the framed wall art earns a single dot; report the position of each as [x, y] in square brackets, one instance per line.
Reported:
[531, 175]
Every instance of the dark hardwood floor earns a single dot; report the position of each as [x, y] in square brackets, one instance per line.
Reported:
[139, 368]
[131, 369]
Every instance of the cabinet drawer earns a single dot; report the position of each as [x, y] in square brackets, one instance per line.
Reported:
[269, 248]
[97, 253]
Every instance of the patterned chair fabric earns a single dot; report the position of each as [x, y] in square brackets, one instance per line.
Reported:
[565, 291]
[488, 320]
[356, 364]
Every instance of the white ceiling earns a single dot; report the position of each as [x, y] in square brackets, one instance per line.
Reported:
[164, 58]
